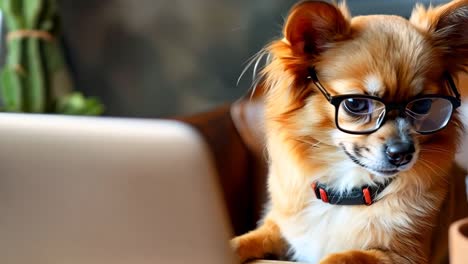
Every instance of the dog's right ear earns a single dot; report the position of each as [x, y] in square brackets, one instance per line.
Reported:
[313, 25]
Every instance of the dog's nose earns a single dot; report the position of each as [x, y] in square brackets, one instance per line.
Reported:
[400, 153]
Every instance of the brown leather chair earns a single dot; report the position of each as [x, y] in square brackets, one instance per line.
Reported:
[235, 136]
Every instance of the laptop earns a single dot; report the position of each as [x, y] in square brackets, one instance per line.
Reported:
[82, 190]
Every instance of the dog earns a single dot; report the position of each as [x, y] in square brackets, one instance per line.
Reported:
[361, 128]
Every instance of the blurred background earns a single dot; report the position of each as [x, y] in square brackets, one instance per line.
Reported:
[147, 58]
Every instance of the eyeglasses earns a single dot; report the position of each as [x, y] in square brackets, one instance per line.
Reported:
[365, 114]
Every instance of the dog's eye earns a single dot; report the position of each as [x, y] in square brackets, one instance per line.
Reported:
[357, 105]
[421, 107]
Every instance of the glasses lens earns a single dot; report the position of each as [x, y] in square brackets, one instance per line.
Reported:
[429, 114]
[360, 114]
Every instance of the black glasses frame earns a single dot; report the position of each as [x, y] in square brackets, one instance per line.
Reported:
[401, 107]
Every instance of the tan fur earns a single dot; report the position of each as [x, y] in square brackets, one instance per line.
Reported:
[403, 59]
[463, 85]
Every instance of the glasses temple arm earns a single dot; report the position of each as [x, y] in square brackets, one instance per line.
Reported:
[452, 86]
[313, 76]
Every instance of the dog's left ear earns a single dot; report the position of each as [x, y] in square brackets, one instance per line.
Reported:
[447, 26]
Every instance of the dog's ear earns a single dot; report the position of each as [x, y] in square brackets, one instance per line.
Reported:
[447, 26]
[313, 25]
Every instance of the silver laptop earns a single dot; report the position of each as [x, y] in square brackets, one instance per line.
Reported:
[76, 190]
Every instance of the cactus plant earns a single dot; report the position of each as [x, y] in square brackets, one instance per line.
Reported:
[33, 79]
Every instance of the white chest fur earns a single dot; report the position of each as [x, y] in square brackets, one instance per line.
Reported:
[322, 229]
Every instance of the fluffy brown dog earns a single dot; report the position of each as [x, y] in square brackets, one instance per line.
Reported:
[361, 130]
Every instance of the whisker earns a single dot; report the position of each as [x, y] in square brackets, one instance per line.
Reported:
[259, 59]
[255, 60]
[435, 148]
[428, 162]
[437, 170]
[438, 151]
[313, 144]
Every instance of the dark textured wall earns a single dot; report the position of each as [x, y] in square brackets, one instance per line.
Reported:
[150, 58]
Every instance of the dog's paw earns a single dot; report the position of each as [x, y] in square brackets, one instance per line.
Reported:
[354, 257]
[265, 241]
[245, 249]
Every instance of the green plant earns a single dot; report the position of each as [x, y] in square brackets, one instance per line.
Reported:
[34, 77]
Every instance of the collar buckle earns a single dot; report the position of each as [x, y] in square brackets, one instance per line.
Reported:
[366, 193]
